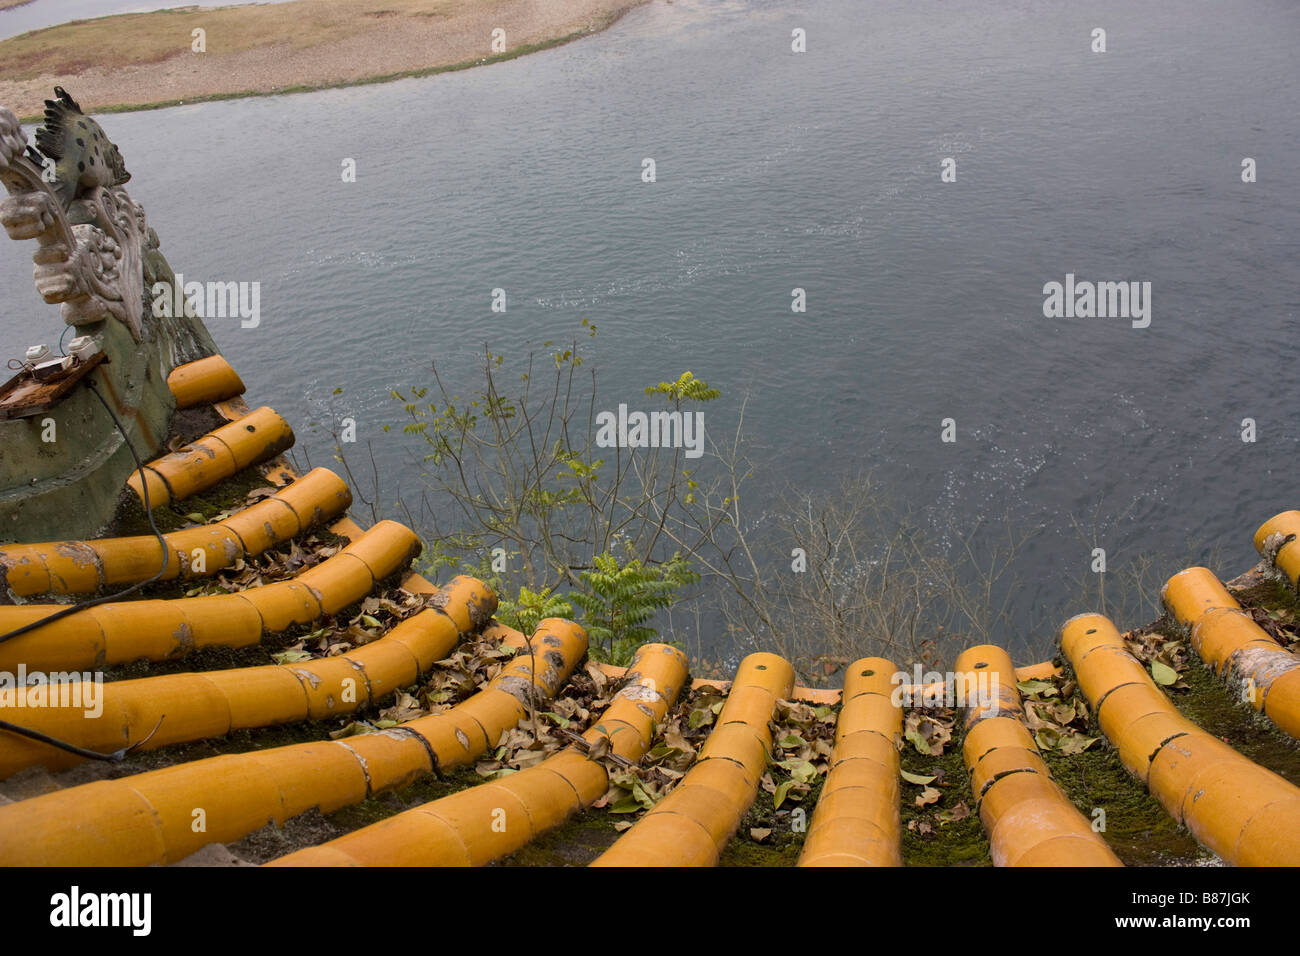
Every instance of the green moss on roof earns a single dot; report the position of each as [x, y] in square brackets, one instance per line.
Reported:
[960, 843]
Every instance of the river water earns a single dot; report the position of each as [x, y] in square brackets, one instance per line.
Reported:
[819, 171]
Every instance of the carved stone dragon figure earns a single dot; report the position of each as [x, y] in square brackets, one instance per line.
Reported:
[97, 254]
[96, 257]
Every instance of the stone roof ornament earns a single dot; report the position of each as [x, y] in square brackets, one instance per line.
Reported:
[97, 258]
[68, 194]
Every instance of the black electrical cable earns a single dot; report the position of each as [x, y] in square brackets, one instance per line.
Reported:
[104, 599]
[115, 757]
[93, 602]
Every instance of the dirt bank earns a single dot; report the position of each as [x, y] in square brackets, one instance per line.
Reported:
[143, 60]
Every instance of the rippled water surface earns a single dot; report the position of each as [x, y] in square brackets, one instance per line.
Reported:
[819, 171]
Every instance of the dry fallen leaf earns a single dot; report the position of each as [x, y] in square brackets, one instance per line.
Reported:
[959, 812]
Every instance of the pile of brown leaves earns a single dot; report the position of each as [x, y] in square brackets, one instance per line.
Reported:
[802, 737]
[1279, 624]
[376, 616]
[1057, 715]
[1165, 659]
[569, 715]
[281, 564]
[929, 732]
[634, 789]
[468, 670]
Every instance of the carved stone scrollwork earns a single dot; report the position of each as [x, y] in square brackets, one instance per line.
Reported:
[91, 250]
[97, 257]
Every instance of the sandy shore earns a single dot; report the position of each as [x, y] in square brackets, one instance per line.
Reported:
[143, 60]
